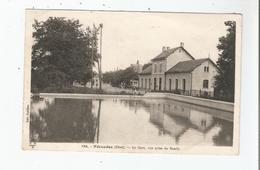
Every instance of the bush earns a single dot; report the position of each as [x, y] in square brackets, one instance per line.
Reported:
[77, 90]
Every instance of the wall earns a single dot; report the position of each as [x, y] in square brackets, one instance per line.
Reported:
[142, 84]
[177, 56]
[158, 73]
[158, 76]
[220, 105]
[198, 75]
[180, 77]
[158, 63]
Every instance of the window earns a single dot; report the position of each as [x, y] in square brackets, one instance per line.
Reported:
[141, 82]
[206, 69]
[170, 84]
[176, 84]
[160, 83]
[183, 84]
[160, 68]
[154, 83]
[155, 68]
[205, 83]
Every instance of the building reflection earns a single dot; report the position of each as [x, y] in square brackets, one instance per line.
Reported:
[176, 118]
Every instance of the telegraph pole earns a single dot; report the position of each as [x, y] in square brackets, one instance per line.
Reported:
[92, 58]
[100, 69]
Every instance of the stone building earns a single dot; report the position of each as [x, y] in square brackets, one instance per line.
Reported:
[176, 70]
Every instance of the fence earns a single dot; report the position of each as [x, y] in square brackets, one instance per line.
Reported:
[195, 93]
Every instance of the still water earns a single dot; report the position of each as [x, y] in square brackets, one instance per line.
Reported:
[128, 121]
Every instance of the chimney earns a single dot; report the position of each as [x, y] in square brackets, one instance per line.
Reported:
[168, 48]
[163, 48]
[137, 62]
[182, 44]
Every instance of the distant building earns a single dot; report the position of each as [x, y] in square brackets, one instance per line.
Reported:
[137, 67]
[77, 84]
[95, 82]
[175, 69]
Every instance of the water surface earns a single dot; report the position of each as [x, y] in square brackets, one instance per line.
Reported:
[129, 121]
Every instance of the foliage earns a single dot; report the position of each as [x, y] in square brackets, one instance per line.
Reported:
[79, 90]
[120, 77]
[76, 90]
[225, 79]
[61, 53]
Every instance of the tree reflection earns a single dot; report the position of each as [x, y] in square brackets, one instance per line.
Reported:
[64, 120]
[225, 136]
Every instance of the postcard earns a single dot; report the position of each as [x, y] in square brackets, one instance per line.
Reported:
[131, 81]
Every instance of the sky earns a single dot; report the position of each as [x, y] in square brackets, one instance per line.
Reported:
[131, 36]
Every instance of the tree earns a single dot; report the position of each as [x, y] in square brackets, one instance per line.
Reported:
[225, 79]
[128, 75]
[116, 78]
[61, 53]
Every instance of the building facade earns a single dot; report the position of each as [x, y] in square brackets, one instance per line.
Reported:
[175, 70]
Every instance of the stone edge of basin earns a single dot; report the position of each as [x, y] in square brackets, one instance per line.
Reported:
[220, 105]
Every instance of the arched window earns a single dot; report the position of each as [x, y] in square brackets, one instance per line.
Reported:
[176, 84]
[184, 84]
[205, 83]
[170, 84]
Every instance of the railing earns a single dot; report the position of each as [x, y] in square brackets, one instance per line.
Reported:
[195, 93]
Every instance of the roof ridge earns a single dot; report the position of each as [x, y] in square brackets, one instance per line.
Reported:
[165, 53]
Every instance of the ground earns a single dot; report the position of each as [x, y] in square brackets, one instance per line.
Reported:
[108, 88]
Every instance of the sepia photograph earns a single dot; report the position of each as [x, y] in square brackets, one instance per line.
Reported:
[121, 81]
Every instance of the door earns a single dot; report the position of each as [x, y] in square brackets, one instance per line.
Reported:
[176, 84]
[184, 85]
[170, 84]
[145, 84]
[149, 86]
[154, 84]
[160, 83]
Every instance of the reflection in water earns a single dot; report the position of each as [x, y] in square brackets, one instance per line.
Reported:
[129, 122]
[62, 120]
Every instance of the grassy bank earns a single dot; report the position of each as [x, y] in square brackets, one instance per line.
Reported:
[78, 90]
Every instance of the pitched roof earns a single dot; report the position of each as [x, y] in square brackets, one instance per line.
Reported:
[164, 54]
[186, 66]
[147, 70]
